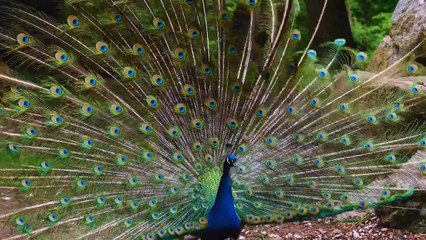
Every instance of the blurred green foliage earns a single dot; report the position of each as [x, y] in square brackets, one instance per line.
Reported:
[371, 20]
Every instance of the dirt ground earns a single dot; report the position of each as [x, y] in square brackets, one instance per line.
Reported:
[366, 228]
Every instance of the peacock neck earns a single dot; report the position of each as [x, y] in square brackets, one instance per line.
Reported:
[224, 221]
[224, 197]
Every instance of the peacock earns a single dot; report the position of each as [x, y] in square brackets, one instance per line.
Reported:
[158, 119]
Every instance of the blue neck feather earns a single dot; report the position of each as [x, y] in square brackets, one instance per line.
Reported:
[223, 221]
[224, 197]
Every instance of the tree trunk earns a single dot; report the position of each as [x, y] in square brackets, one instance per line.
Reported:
[335, 23]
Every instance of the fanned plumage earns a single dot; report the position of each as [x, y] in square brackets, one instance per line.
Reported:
[118, 121]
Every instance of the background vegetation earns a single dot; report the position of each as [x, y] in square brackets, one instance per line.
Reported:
[371, 20]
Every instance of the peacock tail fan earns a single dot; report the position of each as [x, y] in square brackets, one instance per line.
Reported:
[115, 121]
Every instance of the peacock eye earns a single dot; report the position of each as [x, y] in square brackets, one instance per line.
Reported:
[179, 54]
[65, 200]
[322, 73]
[117, 18]
[353, 77]
[73, 21]
[56, 91]
[312, 54]
[392, 116]
[53, 217]
[236, 89]
[116, 109]
[27, 228]
[115, 131]
[232, 124]
[340, 42]
[20, 221]
[45, 165]
[158, 23]
[61, 56]
[211, 104]
[24, 104]
[412, 68]
[13, 147]
[362, 56]
[422, 142]
[193, 33]
[397, 105]
[251, 2]
[30, 132]
[372, 119]
[98, 169]
[295, 35]
[129, 72]
[25, 183]
[90, 218]
[102, 47]
[180, 108]
[152, 101]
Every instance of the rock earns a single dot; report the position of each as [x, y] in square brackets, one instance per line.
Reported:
[274, 236]
[351, 214]
[407, 212]
[408, 28]
[355, 234]
[241, 238]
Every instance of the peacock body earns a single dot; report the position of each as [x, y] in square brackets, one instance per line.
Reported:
[156, 119]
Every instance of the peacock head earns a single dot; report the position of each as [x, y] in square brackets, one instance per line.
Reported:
[231, 160]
